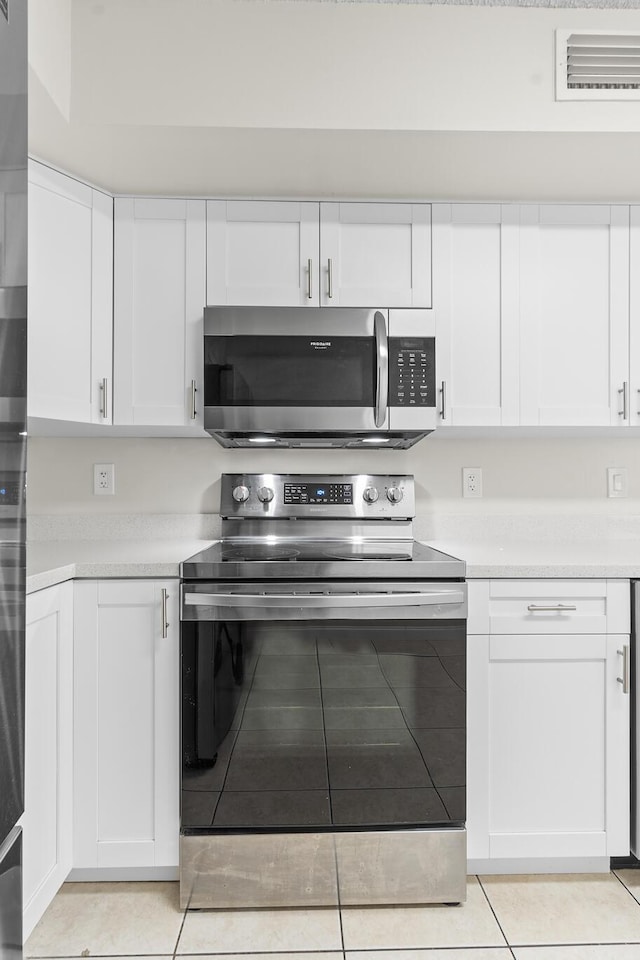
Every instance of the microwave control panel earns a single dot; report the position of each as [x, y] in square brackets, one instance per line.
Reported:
[412, 372]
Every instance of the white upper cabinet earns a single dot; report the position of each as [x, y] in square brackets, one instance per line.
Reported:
[634, 319]
[70, 298]
[375, 254]
[158, 311]
[262, 253]
[475, 299]
[574, 315]
[285, 253]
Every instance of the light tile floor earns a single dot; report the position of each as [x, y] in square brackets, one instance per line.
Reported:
[532, 917]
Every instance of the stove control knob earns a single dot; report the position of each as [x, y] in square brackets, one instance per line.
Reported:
[240, 494]
[265, 494]
[394, 494]
[370, 494]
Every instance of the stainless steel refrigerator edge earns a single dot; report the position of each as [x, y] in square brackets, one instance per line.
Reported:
[13, 366]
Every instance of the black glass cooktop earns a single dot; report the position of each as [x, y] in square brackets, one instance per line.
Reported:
[227, 558]
[300, 552]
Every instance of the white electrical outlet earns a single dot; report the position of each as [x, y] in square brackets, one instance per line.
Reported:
[471, 482]
[104, 480]
[617, 482]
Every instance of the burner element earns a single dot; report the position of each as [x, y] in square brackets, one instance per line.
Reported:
[355, 553]
[260, 551]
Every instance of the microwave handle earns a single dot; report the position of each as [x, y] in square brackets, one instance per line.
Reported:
[382, 366]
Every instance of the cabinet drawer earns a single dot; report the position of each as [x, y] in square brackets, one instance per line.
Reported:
[558, 606]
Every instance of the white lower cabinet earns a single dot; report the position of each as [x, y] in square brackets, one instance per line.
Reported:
[126, 752]
[548, 720]
[48, 816]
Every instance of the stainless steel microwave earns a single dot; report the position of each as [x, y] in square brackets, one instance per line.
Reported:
[321, 377]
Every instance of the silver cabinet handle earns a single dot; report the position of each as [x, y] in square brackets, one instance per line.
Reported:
[443, 400]
[624, 413]
[556, 608]
[309, 279]
[382, 367]
[165, 622]
[624, 679]
[194, 390]
[330, 279]
[104, 400]
[297, 601]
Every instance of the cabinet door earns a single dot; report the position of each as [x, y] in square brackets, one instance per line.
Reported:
[262, 253]
[70, 338]
[126, 725]
[475, 298]
[48, 817]
[375, 255]
[556, 776]
[574, 295]
[634, 318]
[158, 310]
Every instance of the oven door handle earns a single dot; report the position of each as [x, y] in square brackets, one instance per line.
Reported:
[305, 600]
[382, 367]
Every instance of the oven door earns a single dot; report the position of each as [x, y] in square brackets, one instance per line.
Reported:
[287, 369]
[323, 707]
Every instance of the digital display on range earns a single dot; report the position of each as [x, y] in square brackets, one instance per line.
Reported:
[340, 493]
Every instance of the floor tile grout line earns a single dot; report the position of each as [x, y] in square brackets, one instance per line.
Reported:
[442, 948]
[184, 917]
[193, 953]
[621, 881]
[486, 896]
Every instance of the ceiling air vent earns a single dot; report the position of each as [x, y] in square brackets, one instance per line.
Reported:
[592, 65]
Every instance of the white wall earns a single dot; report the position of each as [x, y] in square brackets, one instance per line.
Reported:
[363, 66]
[560, 475]
[233, 98]
[50, 48]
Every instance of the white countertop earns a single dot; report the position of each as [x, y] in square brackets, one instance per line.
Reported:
[560, 559]
[51, 562]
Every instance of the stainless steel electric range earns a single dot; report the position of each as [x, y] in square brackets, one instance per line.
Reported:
[323, 701]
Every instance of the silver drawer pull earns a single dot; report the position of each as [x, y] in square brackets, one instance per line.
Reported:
[165, 621]
[556, 608]
[624, 679]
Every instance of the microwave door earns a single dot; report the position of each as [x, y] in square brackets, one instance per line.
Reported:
[334, 380]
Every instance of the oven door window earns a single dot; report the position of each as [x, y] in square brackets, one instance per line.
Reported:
[339, 725]
[289, 371]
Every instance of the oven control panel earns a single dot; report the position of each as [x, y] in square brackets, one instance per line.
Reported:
[354, 496]
[338, 493]
[412, 372]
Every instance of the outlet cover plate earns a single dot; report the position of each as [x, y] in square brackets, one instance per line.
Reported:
[471, 481]
[104, 479]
